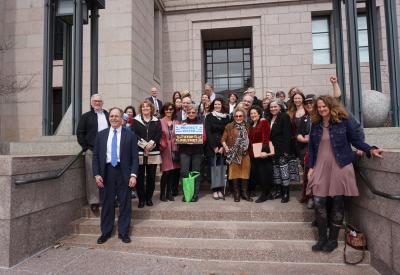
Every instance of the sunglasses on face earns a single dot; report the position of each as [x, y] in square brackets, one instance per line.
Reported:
[191, 113]
[169, 109]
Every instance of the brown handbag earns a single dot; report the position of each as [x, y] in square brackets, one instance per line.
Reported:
[356, 239]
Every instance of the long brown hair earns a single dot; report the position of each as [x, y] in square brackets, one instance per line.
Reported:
[336, 109]
[292, 107]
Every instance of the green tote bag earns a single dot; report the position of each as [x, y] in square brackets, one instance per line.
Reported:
[188, 185]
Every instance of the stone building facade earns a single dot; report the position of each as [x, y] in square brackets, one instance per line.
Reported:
[164, 43]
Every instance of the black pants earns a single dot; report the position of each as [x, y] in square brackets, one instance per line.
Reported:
[114, 185]
[262, 173]
[145, 191]
[168, 181]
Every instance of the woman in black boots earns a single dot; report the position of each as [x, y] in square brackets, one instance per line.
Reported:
[280, 137]
[235, 141]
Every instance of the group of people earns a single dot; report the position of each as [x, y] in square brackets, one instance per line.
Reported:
[262, 142]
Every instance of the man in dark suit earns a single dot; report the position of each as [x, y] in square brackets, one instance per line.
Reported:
[89, 125]
[156, 102]
[115, 166]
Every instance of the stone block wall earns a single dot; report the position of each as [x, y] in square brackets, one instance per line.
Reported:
[35, 215]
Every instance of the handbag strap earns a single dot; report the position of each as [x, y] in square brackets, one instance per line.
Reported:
[345, 246]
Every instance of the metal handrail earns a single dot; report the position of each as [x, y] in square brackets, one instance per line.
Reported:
[372, 188]
[56, 176]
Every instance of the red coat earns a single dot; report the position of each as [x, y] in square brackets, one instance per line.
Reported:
[260, 133]
[167, 145]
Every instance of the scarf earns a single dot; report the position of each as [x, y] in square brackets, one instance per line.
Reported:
[241, 145]
[219, 115]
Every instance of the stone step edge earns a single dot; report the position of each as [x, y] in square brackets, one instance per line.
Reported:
[241, 249]
[78, 221]
[114, 235]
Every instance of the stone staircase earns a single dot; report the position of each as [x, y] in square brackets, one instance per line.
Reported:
[220, 237]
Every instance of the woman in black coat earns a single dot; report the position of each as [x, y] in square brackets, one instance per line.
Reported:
[214, 124]
[280, 137]
[148, 131]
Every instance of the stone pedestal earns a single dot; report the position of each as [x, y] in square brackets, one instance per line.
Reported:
[35, 215]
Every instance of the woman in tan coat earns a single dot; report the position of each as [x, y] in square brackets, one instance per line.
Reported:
[235, 141]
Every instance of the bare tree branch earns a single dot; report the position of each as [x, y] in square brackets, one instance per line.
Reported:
[6, 45]
[9, 85]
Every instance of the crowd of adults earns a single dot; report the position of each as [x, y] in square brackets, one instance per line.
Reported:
[262, 143]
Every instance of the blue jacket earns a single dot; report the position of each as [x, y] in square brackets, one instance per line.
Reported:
[342, 136]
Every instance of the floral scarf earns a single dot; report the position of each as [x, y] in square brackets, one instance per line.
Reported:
[241, 145]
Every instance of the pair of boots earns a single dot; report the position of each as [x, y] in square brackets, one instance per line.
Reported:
[166, 190]
[327, 243]
[245, 190]
[282, 192]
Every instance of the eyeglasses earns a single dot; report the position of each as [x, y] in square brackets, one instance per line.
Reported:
[238, 116]
[308, 102]
[170, 109]
[191, 113]
[97, 101]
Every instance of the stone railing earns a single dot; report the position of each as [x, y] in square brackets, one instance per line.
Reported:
[377, 216]
[35, 215]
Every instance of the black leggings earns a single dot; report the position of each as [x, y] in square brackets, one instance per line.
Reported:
[329, 211]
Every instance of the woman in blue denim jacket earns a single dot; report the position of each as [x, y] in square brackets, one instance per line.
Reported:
[331, 173]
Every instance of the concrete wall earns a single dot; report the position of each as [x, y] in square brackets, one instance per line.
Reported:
[33, 216]
[379, 217]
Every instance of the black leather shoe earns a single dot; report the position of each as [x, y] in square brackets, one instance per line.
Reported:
[195, 198]
[319, 246]
[125, 239]
[170, 198]
[149, 203]
[94, 207]
[141, 204]
[102, 239]
[262, 198]
[163, 198]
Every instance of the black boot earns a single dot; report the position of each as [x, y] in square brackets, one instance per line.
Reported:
[285, 194]
[336, 221]
[321, 221]
[265, 193]
[277, 191]
[245, 190]
[332, 242]
[169, 195]
[236, 190]
[163, 186]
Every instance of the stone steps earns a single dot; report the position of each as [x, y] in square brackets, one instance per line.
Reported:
[220, 249]
[208, 229]
[207, 209]
[221, 237]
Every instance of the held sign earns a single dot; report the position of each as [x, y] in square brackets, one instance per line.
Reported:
[189, 134]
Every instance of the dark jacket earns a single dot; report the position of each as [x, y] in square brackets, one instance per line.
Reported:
[303, 129]
[191, 149]
[214, 129]
[87, 129]
[158, 101]
[281, 134]
[128, 154]
[342, 135]
[148, 131]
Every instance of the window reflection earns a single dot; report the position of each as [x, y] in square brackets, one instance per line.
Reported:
[228, 65]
